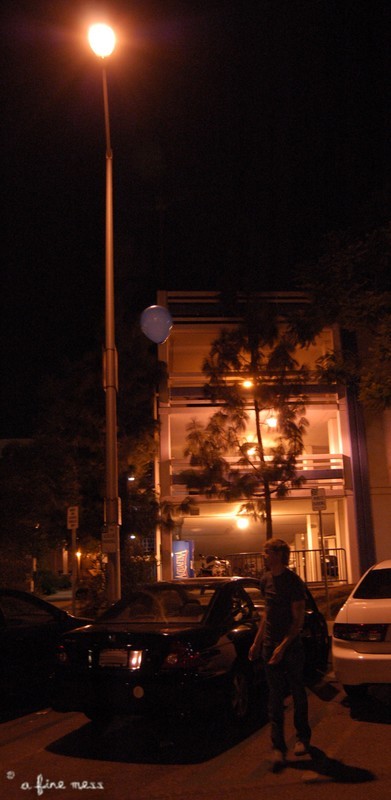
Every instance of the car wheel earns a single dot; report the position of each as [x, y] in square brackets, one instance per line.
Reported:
[239, 696]
[355, 690]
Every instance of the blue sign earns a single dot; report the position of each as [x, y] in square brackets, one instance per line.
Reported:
[183, 557]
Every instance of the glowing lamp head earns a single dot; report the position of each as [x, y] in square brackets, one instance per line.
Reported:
[101, 39]
[242, 523]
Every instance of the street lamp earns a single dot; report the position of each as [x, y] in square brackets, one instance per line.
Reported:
[102, 41]
[78, 556]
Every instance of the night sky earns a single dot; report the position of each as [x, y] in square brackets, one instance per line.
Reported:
[243, 132]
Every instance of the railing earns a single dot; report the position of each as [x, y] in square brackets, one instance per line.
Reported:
[331, 469]
[309, 564]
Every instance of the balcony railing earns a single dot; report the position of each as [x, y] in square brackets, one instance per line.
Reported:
[329, 469]
[309, 564]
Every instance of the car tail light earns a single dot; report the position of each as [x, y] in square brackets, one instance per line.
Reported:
[359, 633]
[182, 656]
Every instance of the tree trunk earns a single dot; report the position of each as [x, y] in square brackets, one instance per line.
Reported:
[268, 511]
[266, 486]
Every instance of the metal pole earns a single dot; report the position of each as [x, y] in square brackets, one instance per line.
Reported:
[326, 585]
[110, 376]
[74, 571]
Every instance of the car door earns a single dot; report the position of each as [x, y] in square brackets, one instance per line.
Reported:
[242, 620]
[253, 590]
[28, 634]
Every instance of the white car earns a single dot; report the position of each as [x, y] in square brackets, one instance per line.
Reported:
[361, 640]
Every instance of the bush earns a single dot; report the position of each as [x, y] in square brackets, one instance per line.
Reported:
[48, 582]
[91, 594]
[137, 569]
[14, 571]
[64, 581]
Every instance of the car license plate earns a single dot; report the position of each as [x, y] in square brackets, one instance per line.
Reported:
[120, 657]
[114, 658]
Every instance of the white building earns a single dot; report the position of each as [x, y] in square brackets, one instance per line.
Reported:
[351, 465]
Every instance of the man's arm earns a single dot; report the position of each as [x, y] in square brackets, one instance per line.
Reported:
[298, 609]
[253, 652]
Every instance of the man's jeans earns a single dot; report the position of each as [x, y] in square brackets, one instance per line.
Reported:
[288, 673]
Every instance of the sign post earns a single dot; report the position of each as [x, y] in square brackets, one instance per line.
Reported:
[72, 525]
[319, 504]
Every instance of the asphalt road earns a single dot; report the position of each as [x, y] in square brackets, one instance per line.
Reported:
[141, 761]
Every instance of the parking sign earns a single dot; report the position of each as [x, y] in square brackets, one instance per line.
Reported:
[72, 517]
[318, 497]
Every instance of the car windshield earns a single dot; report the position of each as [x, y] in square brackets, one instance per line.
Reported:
[162, 603]
[375, 586]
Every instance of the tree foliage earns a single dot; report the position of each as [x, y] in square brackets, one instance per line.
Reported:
[224, 460]
[63, 463]
[37, 482]
[350, 285]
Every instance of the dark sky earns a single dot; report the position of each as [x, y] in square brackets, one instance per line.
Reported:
[243, 131]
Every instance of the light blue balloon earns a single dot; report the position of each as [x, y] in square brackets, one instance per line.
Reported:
[156, 323]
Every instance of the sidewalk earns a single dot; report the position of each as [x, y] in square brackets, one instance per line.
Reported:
[337, 596]
[61, 599]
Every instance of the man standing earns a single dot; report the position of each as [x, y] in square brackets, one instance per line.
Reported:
[282, 649]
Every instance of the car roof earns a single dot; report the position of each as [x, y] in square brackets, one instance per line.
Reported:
[383, 564]
[210, 579]
[375, 567]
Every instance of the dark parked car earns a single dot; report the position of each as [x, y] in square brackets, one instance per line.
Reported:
[173, 647]
[30, 629]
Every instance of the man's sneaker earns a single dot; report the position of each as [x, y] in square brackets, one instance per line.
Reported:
[278, 760]
[301, 748]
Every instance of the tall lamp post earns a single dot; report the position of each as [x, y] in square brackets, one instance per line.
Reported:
[102, 41]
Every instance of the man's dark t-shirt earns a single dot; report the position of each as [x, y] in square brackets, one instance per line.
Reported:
[279, 592]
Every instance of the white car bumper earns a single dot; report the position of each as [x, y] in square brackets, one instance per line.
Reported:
[353, 668]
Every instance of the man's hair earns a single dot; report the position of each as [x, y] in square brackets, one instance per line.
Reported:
[279, 546]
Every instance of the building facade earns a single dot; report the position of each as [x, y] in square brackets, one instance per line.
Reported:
[336, 520]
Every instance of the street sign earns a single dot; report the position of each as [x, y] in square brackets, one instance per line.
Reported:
[110, 539]
[72, 517]
[318, 497]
